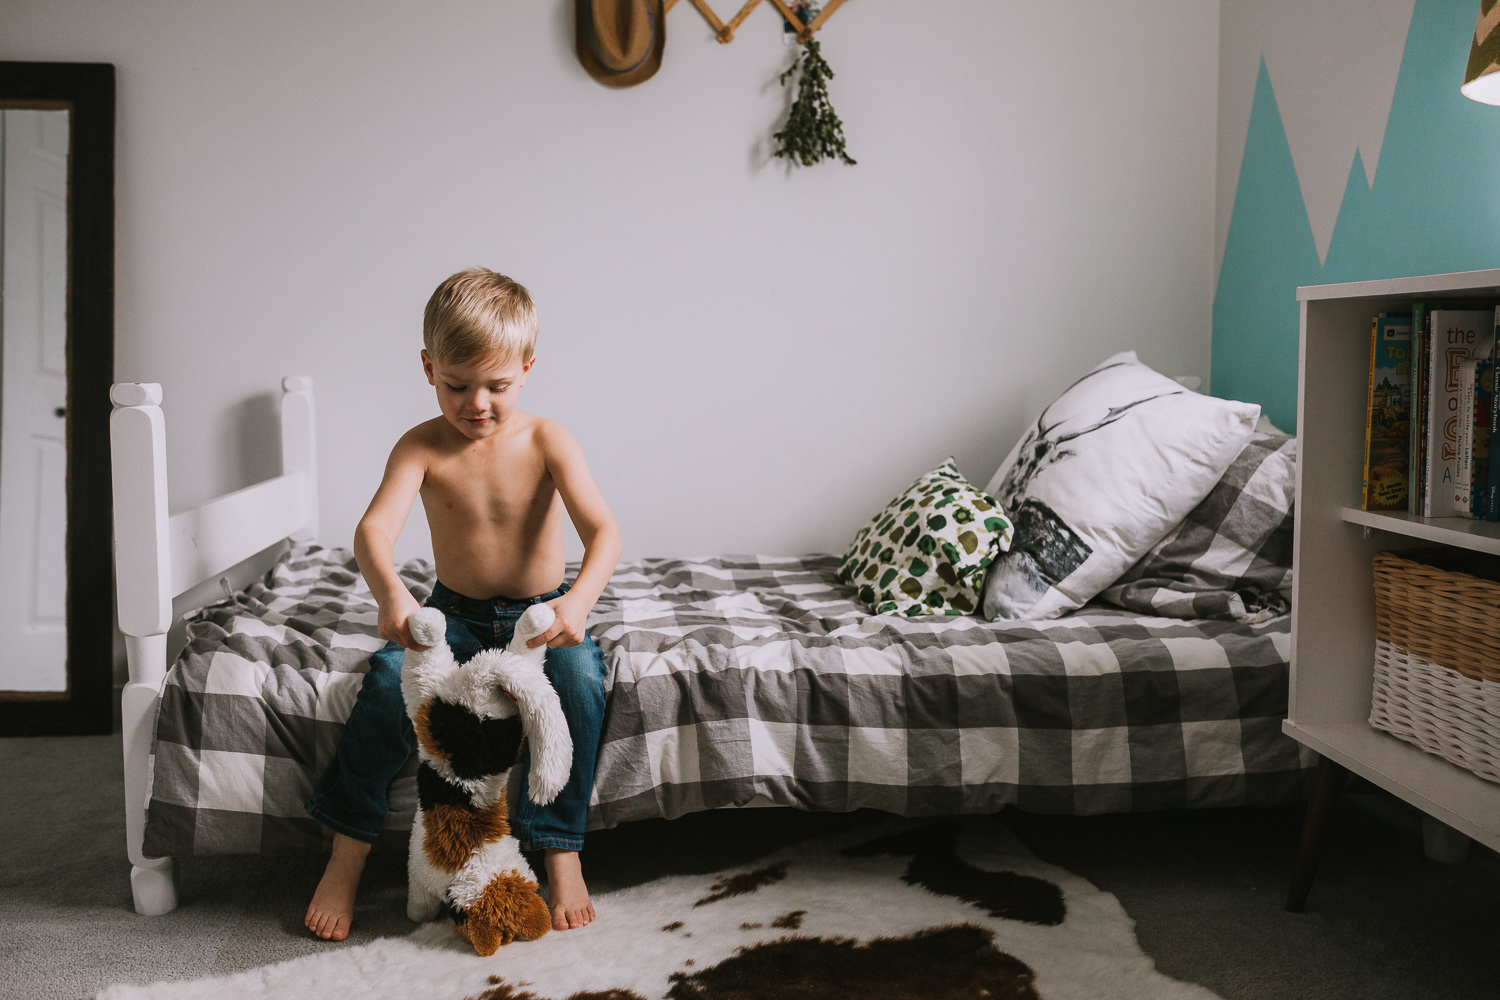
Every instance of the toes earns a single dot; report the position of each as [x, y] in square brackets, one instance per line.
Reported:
[567, 920]
[328, 926]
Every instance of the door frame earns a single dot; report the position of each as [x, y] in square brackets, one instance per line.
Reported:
[87, 90]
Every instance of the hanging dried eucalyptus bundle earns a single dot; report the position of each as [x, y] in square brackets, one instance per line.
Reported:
[812, 132]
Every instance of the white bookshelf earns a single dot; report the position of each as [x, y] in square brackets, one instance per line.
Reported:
[1333, 602]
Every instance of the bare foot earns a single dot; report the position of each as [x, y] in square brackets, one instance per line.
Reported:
[332, 908]
[566, 892]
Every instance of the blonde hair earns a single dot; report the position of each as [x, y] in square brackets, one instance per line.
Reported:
[477, 313]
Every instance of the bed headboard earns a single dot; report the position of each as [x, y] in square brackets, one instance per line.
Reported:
[159, 556]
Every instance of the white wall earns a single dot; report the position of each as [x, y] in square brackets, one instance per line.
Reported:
[753, 359]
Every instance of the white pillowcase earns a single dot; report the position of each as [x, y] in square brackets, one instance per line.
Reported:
[1110, 467]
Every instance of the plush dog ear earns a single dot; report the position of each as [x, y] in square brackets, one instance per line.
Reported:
[424, 672]
[537, 619]
[541, 718]
[428, 626]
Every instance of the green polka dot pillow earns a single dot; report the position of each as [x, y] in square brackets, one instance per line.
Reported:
[928, 551]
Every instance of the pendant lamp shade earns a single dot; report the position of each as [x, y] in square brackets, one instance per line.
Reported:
[1482, 78]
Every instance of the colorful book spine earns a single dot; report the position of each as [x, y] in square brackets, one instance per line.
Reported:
[1492, 503]
[1367, 492]
[1464, 476]
[1457, 336]
[1417, 462]
[1388, 415]
[1479, 467]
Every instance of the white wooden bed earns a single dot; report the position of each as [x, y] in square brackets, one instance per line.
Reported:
[160, 557]
[734, 680]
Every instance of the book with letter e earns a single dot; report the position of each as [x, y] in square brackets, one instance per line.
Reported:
[1458, 335]
[1388, 419]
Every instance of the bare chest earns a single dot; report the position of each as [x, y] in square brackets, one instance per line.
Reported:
[495, 485]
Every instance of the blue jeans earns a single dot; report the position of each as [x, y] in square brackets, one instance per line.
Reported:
[352, 796]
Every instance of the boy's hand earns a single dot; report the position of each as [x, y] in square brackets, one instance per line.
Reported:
[393, 619]
[567, 628]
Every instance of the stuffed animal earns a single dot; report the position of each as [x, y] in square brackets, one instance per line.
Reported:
[470, 719]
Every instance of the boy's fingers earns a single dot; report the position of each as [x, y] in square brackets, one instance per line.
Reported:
[403, 638]
[563, 640]
[555, 637]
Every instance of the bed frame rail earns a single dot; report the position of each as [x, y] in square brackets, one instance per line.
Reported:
[158, 557]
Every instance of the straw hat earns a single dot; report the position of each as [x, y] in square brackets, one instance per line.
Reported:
[620, 41]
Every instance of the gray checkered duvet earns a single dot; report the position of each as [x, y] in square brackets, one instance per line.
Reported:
[1231, 557]
[252, 710]
[753, 679]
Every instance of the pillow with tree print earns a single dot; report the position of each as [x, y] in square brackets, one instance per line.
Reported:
[927, 552]
[1109, 467]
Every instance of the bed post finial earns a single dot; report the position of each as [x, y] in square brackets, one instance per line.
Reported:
[299, 447]
[138, 463]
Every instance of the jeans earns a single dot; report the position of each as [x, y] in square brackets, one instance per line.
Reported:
[352, 796]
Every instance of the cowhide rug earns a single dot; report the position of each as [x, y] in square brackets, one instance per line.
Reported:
[909, 909]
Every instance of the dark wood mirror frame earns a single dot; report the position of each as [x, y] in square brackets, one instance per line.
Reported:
[87, 91]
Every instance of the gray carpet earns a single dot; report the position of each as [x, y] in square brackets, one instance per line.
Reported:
[1206, 890]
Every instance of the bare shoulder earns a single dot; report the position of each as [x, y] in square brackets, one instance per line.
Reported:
[550, 432]
[554, 441]
[420, 444]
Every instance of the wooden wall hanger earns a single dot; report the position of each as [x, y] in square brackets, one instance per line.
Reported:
[725, 32]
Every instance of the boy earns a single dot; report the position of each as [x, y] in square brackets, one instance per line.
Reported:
[496, 484]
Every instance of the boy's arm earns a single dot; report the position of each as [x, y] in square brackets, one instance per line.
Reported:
[596, 528]
[375, 540]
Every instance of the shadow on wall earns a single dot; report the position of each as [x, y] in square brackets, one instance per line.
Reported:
[1433, 208]
[257, 454]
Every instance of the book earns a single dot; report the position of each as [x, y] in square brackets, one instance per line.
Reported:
[1464, 475]
[1416, 463]
[1388, 414]
[1458, 335]
[1492, 501]
[1479, 466]
[1366, 494]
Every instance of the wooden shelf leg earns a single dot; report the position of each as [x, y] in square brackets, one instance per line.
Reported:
[1327, 784]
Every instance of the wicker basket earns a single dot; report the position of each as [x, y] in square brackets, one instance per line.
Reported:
[1437, 658]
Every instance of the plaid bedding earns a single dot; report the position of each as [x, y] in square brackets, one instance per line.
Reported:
[252, 710]
[759, 679]
[742, 680]
[1231, 556]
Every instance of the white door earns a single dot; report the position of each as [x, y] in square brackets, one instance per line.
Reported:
[33, 453]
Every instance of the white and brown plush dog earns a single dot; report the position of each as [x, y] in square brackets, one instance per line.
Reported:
[470, 719]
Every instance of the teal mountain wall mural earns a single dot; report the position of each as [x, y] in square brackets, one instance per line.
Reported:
[1434, 207]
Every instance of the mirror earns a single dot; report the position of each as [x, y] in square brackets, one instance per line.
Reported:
[57, 331]
[33, 400]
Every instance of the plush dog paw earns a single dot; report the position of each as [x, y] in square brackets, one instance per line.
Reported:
[428, 626]
[510, 908]
[421, 907]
